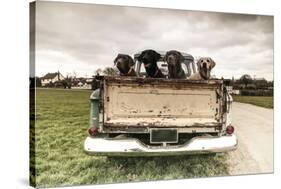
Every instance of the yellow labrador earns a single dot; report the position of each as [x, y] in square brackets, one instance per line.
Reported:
[204, 67]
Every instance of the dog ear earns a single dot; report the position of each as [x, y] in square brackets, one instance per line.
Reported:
[181, 57]
[212, 63]
[157, 56]
[118, 56]
[139, 58]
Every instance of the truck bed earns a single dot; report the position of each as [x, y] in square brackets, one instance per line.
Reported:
[146, 102]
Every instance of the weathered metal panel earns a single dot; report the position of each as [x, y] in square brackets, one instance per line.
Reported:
[161, 104]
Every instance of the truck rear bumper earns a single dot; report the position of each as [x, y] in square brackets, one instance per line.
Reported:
[133, 147]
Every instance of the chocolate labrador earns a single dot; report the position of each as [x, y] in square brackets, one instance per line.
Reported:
[174, 59]
[204, 66]
[125, 65]
[149, 58]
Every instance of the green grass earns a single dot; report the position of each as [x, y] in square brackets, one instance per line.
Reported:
[60, 128]
[262, 101]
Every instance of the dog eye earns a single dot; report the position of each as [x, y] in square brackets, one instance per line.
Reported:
[201, 60]
[208, 60]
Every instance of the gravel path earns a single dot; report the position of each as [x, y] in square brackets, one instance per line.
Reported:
[254, 129]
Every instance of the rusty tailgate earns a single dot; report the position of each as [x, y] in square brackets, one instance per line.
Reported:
[139, 102]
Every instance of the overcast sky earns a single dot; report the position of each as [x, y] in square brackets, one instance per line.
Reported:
[80, 38]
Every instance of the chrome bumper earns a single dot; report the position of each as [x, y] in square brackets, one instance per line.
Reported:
[133, 147]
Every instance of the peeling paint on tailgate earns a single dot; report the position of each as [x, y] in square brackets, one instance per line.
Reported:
[163, 103]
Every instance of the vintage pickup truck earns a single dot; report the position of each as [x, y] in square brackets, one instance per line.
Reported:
[139, 116]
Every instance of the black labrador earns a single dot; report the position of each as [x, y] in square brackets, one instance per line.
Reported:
[125, 65]
[174, 60]
[149, 58]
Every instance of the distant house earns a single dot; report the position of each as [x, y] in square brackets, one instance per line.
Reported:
[89, 80]
[51, 78]
[80, 84]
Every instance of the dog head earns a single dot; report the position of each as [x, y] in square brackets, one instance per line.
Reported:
[124, 63]
[205, 65]
[173, 58]
[149, 58]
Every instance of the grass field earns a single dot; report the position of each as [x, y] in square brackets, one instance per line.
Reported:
[61, 127]
[262, 101]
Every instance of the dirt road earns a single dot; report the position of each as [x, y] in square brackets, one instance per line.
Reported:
[254, 129]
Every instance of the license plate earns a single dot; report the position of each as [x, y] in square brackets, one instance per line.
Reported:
[163, 136]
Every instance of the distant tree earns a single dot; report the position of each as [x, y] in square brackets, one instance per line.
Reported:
[74, 74]
[95, 82]
[270, 83]
[261, 83]
[98, 71]
[66, 83]
[232, 81]
[246, 79]
[110, 71]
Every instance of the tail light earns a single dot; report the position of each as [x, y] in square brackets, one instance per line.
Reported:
[229, 129]
[93, 131]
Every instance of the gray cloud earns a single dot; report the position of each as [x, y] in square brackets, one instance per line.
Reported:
[84, 37]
